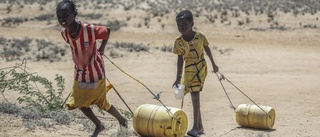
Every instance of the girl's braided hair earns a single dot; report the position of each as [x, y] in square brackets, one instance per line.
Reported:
[71, 6]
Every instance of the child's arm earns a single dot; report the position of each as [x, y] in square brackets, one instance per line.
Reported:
[179, 70]
[104, 43]
[214, 66]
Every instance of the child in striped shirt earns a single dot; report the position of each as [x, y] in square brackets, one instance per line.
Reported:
[89, 81]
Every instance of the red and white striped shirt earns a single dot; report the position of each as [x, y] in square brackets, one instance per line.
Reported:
[89, 65]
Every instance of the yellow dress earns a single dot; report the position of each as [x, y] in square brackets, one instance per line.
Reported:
[86, 94]
[195, 67]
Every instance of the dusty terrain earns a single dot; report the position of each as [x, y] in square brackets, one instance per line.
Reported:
[274, 67]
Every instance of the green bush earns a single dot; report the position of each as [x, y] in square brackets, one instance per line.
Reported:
[41, 108]
[27, 85]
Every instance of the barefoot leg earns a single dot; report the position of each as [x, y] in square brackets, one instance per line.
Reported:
[99, 127]
[195, 98]
[97, 131]
[115, 113]
[200, 129]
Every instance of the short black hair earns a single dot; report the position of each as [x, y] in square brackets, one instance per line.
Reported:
[71, 6]
[185, 14]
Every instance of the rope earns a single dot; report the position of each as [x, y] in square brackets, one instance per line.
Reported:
[155, 96]
[65, 101]
[120, 97]
[182, 103]
[231, 105]
[224, 78]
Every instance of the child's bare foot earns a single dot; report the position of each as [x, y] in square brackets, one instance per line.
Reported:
[97, 131]
[193, 133]
[200, 131]
[124, 123]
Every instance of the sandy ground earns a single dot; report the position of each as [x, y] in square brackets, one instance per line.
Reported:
[274, 68]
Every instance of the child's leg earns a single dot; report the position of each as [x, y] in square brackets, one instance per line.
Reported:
[99, 127]
[195, 98]
[196, 101]
[115, 113]
[200, 126]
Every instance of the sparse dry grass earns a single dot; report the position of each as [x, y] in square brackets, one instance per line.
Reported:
[217, 12]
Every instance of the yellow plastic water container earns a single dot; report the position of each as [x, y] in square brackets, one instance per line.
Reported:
[155, 121]
[253, 116]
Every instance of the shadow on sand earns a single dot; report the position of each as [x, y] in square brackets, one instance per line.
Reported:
[248, 128]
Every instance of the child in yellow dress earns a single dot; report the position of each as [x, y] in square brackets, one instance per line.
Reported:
[189, 47]
[89, 86]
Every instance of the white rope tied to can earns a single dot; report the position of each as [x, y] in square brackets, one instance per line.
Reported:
[222, 77]
[155, 96]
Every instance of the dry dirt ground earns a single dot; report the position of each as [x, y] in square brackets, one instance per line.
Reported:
[277, 68]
